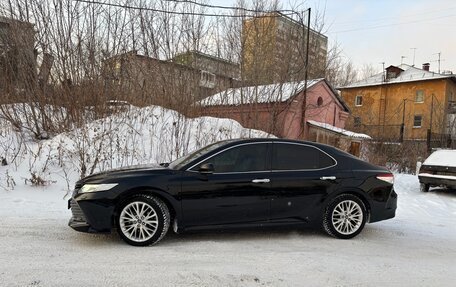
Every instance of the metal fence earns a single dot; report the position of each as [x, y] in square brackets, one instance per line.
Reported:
[382, 133]
[436, 140]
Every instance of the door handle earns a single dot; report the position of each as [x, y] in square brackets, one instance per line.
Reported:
[328, 178]
[262, 180]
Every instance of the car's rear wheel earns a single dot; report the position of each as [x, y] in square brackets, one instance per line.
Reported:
[424, 187]
[143, 220]
[345, 216]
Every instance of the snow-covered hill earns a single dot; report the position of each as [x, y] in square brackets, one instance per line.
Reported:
[138, 136]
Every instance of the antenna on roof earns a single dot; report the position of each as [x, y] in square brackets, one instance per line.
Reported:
[402, 59]
[438, 60]
[414, 52]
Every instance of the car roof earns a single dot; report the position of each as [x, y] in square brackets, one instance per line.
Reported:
[443, 157]
[252, 140]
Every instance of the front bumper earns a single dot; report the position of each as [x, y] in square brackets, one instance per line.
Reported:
[90, 216]
[80, 226]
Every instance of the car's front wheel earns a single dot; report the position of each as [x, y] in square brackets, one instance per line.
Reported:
[345, 216]
[143, 220]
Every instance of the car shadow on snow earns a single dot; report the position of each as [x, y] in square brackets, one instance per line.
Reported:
[444, 191]
[95, 239]
[236, 235]
[264, 235]
[257, 235]
[217, 236]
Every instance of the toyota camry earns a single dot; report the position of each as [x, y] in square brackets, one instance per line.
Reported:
[233, 184]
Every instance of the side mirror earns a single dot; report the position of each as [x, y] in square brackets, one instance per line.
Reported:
[206, 168]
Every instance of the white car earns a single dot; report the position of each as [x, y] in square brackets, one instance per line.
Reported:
[439, 169]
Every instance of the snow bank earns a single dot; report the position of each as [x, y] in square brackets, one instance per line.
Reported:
[139, 136]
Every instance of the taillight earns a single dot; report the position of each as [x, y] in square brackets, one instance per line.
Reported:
[388, 177]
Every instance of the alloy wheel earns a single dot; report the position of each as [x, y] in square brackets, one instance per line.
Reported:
[138, 221]
[347, 217]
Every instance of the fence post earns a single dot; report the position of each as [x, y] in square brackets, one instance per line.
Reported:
[401, 133]
[428, 140]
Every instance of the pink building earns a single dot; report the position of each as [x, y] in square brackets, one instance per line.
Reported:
[279, 109]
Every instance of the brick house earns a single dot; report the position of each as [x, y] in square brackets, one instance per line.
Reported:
[279, 109]
[403, 103]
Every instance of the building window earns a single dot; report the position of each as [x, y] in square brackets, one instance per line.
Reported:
[419, 97]
[391, 75]
[358, 100]
[357, 121]
[319, 101]
[417, 119]
[207, 80]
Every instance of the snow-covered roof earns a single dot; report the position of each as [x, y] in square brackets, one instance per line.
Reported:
[409, 74]
[339, 130]
[258, 94]
[443, 157]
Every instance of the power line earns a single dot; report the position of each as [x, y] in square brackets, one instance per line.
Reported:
[394, 24]
[395, 17]
[222, 7]
[283, 12]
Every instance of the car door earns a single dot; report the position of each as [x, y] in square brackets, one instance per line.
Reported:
[301, 175]
[237, 191]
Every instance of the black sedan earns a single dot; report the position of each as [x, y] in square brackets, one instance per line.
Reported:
[237, 183]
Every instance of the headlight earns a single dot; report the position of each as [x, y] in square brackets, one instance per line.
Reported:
[97, 187]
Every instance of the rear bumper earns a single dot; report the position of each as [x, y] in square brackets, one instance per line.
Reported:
[381, 210]
[436, 180]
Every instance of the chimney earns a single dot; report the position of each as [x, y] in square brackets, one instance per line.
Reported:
[426, 66]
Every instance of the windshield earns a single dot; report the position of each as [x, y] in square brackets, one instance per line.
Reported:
[186, 159]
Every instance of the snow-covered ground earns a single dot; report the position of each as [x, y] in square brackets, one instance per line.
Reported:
[417, 248]
[37, 248]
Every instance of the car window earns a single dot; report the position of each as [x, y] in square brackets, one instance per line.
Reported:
[243, 158]
[296, 156]
[182, 161]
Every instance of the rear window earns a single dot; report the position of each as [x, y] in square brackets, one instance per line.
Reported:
[297, 156]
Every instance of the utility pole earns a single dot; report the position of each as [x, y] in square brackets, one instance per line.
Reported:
[414, 52]
[429, 131]
[432, 111]
[304, 102]
[403, 121]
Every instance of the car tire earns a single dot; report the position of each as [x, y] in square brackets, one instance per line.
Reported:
[424, 187]
[143, 220]
[345, 216]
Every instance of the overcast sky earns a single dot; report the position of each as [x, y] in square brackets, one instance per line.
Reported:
[375, 31]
